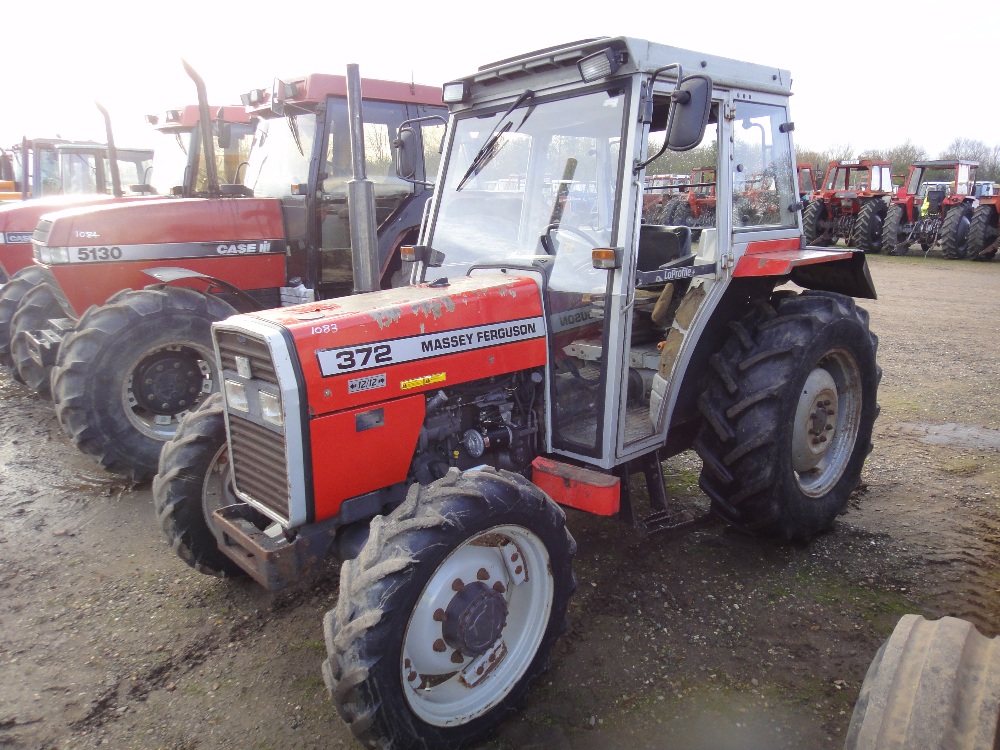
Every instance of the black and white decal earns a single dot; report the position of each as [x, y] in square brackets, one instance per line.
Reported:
[412, 348]
[163, 251]
[16, 238]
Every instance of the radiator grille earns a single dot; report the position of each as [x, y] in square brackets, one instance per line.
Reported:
[258, 453]
[258, 456]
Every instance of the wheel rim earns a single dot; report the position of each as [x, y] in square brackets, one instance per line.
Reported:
[827, 419]
[164, 384]
[500, 612]
[216, 490]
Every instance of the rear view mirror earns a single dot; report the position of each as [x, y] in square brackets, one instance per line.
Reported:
[405, 149]
[689, 109]
[224, 134]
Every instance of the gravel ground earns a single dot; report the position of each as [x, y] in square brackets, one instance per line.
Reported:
[704, 639]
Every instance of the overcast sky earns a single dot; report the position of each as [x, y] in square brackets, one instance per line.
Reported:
[861, 73]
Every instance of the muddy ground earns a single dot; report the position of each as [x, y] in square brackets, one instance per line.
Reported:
[706, 639]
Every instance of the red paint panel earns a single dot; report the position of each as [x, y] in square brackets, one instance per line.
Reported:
[782, 262]
[91, 284]
[15, 257]
[348, 463]
[771, 246]
[168, 220]
[577, 487]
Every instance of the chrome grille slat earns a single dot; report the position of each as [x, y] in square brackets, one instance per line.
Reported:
[231, 345]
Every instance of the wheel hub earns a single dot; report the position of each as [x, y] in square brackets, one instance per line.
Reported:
[815, 420]
[474, 619]
[167, 382]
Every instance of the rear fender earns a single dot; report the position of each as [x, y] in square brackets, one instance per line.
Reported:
[168, 275]
[844, 271]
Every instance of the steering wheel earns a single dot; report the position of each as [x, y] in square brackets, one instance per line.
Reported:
[546, 238]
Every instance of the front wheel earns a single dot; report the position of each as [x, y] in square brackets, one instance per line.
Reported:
[449, 612]
[11, 295]
[193, 481]
[38, 306]
[788, 414]
[131, 370]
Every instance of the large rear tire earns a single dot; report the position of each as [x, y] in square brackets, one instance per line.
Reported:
[933, 685]
[10, 297]
[667, 213]
[449, 612]
[37, 307]
[788, 414]
[683, 216]
[811, 218]
[982, 232]
[131, 370]
[893, 238]
[868, 226]
[955, 232]
[193, 480]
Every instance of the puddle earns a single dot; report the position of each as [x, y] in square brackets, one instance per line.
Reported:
[961, 435]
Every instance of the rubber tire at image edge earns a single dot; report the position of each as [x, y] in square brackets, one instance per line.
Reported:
[982, 233]
[933, 685]
[37, 307]
[90, 373]
[186, 461]
[381, 587]
[748, 410]
[11, 294]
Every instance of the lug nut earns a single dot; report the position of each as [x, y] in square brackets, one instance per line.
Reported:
[483, 574]
[457, 658]
[439, 646]
[458, 585]
[439, 615]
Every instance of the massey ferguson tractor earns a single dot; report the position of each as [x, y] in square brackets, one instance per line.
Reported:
[428, 434]
[850, 205]
[178, 168]
[127, 365]
[695, 207]
[945, 220]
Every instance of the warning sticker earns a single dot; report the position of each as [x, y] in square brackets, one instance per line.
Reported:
[420, 382]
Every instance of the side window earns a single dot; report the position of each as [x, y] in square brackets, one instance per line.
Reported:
[764, 183]
[381, 123]
[432, 135]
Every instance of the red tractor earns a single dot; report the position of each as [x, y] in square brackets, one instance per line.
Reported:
[850, 205]
[934, 207]
[124, 366]
[399, 428]
[695, 207]
[177, 169]
[807, 182]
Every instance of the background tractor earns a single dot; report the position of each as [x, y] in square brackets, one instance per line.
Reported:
[933, 207]
[850, 205]
[398, 428]
[695, 206]
[124, 366]
[984, 227]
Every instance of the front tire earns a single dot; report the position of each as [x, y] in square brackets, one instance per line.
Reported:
[11, 295]
[193, 480]
[38, 306]
[788, 415]
[131, 370]
[449, 612]
[868, 227]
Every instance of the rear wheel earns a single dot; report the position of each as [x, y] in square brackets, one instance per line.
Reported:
[955, 232]
[868, 225]
[10, 297]
[683, 216]
[667, 214]
[192, 482]
[38, 306]
[933, 685]
[131, 370]
[893, 238]
[788, 415]
[449, 612]
[811, 218]
[982, 232]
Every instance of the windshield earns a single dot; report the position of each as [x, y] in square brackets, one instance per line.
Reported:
[279, 159]
[78, 171]
[539, 181]
[170, 160]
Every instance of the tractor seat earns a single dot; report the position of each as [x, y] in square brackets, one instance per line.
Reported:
[660, 244]
[934, 200]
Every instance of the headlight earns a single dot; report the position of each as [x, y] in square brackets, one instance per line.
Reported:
[270, 408]
[43, 254]
[236, 396]
[60, 255]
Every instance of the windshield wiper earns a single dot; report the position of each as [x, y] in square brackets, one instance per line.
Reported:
[293, 125]
[490, 147]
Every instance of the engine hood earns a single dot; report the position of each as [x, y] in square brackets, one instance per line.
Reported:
[167, 220]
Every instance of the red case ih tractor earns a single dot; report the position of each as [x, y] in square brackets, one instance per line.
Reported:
[178, 168]
[127, 365]
[850, 205]
[933, 215]
[398, 428]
